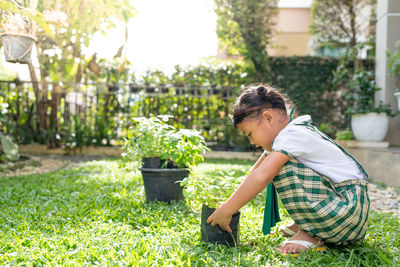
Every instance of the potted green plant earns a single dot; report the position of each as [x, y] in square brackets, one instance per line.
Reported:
[394, 70]
[164, 153]
[17, 38]
[209, 192]
[369, 122]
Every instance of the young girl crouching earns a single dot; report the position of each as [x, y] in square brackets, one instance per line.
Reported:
[323, 188]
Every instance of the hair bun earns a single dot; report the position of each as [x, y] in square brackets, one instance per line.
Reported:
[262, 93]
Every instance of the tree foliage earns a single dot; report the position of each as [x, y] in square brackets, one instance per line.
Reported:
[245, 27]
[343, 23]
[65, 28]
[74, 22]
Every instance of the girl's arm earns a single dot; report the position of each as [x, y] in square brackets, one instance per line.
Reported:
[250, 188]
[258, 162]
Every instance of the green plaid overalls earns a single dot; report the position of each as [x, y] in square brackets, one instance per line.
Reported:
[335, 212]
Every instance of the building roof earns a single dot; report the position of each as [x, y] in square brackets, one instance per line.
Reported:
[295, 3]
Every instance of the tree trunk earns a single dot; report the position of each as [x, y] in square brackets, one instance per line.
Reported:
[54, 103]
[40, 98]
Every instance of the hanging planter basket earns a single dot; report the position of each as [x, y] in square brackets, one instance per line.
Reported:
[17, 47]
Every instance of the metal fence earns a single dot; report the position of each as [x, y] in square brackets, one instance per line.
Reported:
[77, 115]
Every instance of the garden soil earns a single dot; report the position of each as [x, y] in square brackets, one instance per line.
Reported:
[40, 164]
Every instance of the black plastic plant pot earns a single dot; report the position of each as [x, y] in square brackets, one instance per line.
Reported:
[163, 184]
[216, 234]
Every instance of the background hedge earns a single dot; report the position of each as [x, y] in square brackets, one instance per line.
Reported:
[198, 97]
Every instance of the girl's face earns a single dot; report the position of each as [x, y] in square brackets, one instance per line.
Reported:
[262, 131]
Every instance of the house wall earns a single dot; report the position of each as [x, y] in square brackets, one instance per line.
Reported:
[292, 37]
[294, 20]
[291, 33]
[291, 44]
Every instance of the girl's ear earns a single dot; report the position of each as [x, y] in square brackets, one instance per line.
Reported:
[267, 115]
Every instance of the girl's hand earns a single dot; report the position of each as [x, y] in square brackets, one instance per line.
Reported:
[221, 217]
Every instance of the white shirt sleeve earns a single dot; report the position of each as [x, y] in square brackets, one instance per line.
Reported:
[297, 141]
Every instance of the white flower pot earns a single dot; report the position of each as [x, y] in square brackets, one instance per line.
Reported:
[370, 127]
[397, 94]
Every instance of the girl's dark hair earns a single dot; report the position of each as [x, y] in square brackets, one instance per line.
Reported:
[255, 99]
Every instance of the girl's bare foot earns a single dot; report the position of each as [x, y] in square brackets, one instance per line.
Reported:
[296, 248]
[293, 227]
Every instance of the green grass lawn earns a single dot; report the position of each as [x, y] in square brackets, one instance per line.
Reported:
[95, 214]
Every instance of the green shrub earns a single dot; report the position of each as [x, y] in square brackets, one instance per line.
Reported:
[8, 149]
[154, 137]
[211, 189]
[362, 95]
[345, 135]
[394, 64]
[327, 128]
[198, 97]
